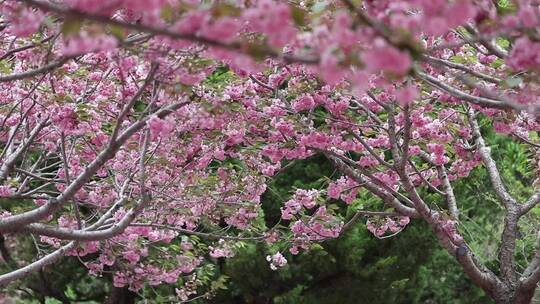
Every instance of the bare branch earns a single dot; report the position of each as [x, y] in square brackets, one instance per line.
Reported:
[375, 189]
[529, 204]
[47, 6]
[448, 189]
[35, 266]
[262, 84]
[127, 107]
[509, 235]
[489, 163]
[370, 150]
[198, 233]
[68, 180]
[490, 46]
[41, 70]
[364, 213]
[25, 47]
[7, 165]
[16, 222]
[531, 275]
[430, 185]
[481, 101]
[462, 67]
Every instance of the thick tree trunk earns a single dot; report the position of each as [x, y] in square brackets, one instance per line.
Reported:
[524, 297]
[536, 296]
[521, 297]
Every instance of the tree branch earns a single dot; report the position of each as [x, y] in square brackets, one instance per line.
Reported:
[35, 266]
[481, 101]
[15, 222]
[509, 235]
[388, 198]
[462, 67]
[161, 31]
[41, 70]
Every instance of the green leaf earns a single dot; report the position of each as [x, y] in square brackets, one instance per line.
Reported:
[332, 207]
[71, 27]
[513, 82]
[167, 12]
[5, 67]
[117, 31]
[502, 42]
[298, 15]
[223, 10]
[257, 50]
[505, 7]
[316, 247]
[70, 293]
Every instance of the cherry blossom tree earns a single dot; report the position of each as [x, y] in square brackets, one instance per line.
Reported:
[114, 143]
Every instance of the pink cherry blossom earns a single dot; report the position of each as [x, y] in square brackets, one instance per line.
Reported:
[387, 59]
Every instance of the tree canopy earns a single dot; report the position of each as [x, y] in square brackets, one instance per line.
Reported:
[153, 140]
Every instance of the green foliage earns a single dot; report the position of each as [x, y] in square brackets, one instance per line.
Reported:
[308, 174]
[220, 78]
[71, 26]
[441, 280]
[505, 7]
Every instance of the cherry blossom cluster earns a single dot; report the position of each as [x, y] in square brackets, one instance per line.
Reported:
[379, 229]
[276, 260]
[130, 129]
